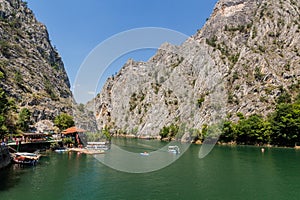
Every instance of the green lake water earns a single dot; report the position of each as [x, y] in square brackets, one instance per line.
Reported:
[240, 172]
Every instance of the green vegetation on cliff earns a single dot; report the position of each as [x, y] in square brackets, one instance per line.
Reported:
[282, 127]
[169, 131]
[24, 119]
[3, 111]
[64, 121]
[279, 128]
[7, 113]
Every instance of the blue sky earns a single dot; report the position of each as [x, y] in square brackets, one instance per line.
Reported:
[77, 27]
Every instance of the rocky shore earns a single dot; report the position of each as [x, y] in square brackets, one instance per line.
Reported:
[4, 156]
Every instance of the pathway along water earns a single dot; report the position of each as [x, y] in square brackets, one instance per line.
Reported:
[240, 172]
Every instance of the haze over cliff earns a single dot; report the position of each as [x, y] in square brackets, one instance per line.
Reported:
[245, 57]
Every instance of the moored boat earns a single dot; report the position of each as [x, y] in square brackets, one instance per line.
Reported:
[144, 154]
[25, 158]
[61, 150]
[174, 149]
[98, 146]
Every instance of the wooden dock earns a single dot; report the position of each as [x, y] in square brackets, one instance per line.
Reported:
[87, 151]
[31, 146]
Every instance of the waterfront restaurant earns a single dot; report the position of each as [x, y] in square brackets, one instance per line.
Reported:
[35, 137]
[74, 132]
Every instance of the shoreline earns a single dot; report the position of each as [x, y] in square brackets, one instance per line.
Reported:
[199, 142]
[86, 151]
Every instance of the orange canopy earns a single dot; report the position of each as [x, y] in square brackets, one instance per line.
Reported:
[73, 130]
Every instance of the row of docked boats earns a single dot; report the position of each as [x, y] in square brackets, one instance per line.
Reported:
[26, 158]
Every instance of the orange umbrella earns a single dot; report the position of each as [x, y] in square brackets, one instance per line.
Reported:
[73, 130]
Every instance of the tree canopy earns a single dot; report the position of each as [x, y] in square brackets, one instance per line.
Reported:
[3, 112]
[24, 119]
[64, 121]
[281, 128]
[7, 118]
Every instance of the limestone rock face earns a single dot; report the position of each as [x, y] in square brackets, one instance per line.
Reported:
[34, 74]
[242, 60]
[44, 125]
[84, 117]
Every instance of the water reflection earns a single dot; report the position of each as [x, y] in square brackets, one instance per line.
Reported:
[226, 173]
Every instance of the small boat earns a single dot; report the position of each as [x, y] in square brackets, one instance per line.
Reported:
[144, 154]
[25, 158]
[174, 149]
[61, 150]
[98, 146]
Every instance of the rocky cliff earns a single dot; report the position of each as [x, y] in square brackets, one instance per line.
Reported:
[33, 72]
[244, 58]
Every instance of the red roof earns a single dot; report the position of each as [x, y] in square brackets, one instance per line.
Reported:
[73, 130]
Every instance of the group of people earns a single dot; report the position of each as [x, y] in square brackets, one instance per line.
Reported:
[3, 142]
[17, 140]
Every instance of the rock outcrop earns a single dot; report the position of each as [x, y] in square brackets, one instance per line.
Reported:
[245, 57]
[34, 74]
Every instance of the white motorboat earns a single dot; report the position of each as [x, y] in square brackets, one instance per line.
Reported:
[174, 149]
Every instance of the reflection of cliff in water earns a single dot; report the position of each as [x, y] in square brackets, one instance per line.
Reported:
[5, 173]
[11, 176]
[4, 156]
